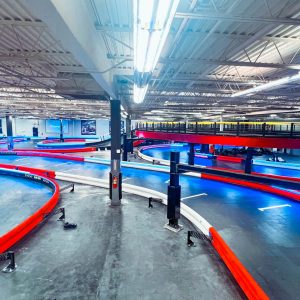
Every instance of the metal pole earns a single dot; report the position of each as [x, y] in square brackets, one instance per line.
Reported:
[9, 133]
[125, 148]
[191, 154]
[248, 161]
[174, 194]
[61, 137]
[128, 127]
[115, 179]
[291, 129]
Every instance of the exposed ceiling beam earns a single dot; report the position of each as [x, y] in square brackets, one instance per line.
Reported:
[232, 18]
[198, 33]
[231, 63]
[218, 62]
[18, 22]
[73, 26]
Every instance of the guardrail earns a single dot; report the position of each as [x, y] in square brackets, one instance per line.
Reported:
[282, 129]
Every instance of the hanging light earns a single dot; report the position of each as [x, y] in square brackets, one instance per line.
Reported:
[152, 22]
[267, 86]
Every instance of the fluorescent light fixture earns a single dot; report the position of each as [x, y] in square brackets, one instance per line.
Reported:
[267, 86]
[139, 93]
[152, 22]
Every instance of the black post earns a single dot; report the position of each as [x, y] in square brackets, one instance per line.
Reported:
[61, 136]
[174, 193]
[238, 129]
[125, 148]
[291, 129]
[115, 179]
[191, 154]
[248, 161]
[264, 129]
[9, 133]
[204, 148]
[128, 126]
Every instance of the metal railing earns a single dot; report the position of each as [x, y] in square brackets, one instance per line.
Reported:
[282, 129]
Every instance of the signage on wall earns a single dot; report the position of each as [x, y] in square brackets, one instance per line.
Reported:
[88, 127]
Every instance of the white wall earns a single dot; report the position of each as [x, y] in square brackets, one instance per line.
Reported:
[24, 127]
[102, 128]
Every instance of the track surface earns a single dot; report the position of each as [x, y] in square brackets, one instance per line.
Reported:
[267, 242]
[106, 256]
[164, 153]
[19, 199]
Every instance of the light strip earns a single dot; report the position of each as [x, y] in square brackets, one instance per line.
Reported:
[139, 93]
[267, 86]
[152, 22]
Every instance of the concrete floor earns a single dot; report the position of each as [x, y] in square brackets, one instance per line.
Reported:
[115, 253]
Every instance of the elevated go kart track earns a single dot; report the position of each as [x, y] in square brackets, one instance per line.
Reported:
[248, 134]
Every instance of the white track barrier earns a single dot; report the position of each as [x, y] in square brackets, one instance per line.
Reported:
[186, 211]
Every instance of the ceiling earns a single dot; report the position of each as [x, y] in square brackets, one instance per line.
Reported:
[65, 61]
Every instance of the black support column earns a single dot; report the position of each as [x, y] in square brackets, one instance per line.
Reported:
[174, 194]
[191, 154]
[115, 178]
[248, 161]
[204, 148]
[127, 143]
[9, 133]
[128, 127]
[61, 136]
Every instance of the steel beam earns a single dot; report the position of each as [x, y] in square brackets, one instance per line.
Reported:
[239, 19]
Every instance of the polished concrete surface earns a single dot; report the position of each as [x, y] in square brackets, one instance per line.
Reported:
[115, 253]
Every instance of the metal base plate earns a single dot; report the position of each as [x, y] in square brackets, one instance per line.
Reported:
[174, 229]
[8, 269]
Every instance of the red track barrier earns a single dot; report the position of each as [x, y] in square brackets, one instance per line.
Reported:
[247, 283]
[40, 172]
[249, 141]
[253, 185]
[261, 174]
[50, 155]
[67, 150]
[234, 159]
[17, 233]
[66, 140]
[137, 143]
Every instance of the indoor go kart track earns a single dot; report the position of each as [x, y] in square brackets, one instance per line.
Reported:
[231, 209]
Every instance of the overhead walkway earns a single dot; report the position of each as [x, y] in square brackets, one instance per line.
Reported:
[250, 134]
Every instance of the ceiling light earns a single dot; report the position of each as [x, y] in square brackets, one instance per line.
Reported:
[267, 86]
[139, 93]
[152, 22]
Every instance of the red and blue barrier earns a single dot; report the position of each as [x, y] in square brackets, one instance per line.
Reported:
[20, 231]
[244, 141]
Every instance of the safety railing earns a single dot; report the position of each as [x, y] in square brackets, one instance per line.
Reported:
[282, 129]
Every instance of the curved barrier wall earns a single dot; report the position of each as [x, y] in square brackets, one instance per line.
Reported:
[250, 287]
[42, 176]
